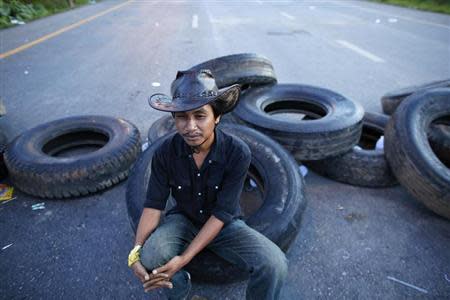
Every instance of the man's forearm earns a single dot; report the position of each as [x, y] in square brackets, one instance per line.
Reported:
[208, 232]
[149, 221]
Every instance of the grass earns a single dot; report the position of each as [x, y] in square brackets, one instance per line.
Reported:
[28, 10]
[440, 6]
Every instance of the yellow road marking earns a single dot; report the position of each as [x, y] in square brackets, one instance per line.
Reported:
[60, 31]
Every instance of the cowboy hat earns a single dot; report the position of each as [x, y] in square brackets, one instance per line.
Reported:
[193, 89]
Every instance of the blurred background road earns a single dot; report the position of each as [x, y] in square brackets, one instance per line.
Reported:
[109, 57]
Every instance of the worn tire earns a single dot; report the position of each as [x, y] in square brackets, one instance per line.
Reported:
[246, 69]
[3, 144]
[409, 153]
[439, 138]
[367, 166]
[391, 100]
[278, 218]
[35, 168]
[335, 127]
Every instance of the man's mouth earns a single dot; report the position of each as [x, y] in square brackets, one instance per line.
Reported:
[191, 137]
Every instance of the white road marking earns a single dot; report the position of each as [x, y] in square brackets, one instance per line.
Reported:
[396, 16]
[360, 51]
[7, 246]
[156, 84]
[392, 20]
[284, 14]
[194, 21]
[259, 2]
[408, 284]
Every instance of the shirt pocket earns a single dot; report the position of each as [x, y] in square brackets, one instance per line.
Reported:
[213, 187]
[181, 190]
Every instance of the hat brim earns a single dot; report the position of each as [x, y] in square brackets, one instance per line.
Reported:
[163, 102]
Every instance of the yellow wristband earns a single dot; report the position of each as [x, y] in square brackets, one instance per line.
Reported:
[134, 255]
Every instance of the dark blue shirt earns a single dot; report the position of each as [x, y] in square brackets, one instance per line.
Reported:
[214, 189]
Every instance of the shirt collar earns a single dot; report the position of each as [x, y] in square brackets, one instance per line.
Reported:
[215, 153]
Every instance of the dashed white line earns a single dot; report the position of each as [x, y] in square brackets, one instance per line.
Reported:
[396, 16]
[360, 51]
[194, 21]
[284, 14]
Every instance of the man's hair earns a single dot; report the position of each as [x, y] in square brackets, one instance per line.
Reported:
[217, 106]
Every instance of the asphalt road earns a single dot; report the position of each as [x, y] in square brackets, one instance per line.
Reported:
[353, 242]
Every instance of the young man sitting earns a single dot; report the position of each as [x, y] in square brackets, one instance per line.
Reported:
[204, 169]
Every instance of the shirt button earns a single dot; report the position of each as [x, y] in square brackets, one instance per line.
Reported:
[179, 187]
[198, 174]
[210, 161]
[201, 211]
[190, 156]
[199, 194]
[217, 187]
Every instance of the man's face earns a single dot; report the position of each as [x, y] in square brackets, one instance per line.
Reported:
[196, 126]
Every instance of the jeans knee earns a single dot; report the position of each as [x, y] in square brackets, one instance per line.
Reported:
[156, 253]
[277, 265]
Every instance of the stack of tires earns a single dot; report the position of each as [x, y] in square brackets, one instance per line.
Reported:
[322, 129]
[287, 124]
[418, 142]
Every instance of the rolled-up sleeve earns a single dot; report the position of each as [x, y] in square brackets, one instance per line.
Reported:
[228, 197]
[158, 188]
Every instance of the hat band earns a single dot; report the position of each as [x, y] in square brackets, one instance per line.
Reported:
[203, 94]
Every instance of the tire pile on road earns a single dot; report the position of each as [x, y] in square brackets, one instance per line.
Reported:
[283, 124]
[323, 130]
[333, 135]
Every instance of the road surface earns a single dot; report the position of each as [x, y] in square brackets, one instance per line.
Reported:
[109, 57]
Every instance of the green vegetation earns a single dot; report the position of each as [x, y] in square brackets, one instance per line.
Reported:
[27, 10]
[441, 6]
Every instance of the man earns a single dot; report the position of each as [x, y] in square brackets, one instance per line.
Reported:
[204, 169]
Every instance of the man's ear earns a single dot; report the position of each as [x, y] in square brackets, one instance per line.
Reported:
[217, 119]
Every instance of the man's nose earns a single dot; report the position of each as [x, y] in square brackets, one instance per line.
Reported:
[191, 124]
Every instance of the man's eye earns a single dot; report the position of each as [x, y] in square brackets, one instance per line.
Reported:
[200, 117]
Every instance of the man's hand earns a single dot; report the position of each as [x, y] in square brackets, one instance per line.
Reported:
[171, 267]
[150, 281]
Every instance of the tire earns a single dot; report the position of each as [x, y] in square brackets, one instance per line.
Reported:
[409, 153]
[364, 166]
[439, 138]
[392, 100]
[333, 126]
[278, 217]
[3, 144]
[36, 167]
[246, 69]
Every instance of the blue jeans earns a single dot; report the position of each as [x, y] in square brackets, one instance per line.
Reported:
[237, 243]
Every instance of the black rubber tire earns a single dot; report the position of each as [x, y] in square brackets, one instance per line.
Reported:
[409, 153]
[366, 167]
[391, 100]
[336, 132]
[278, 218]
[3, 144]
[439, 138]
[246, 69]
[35, 169]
